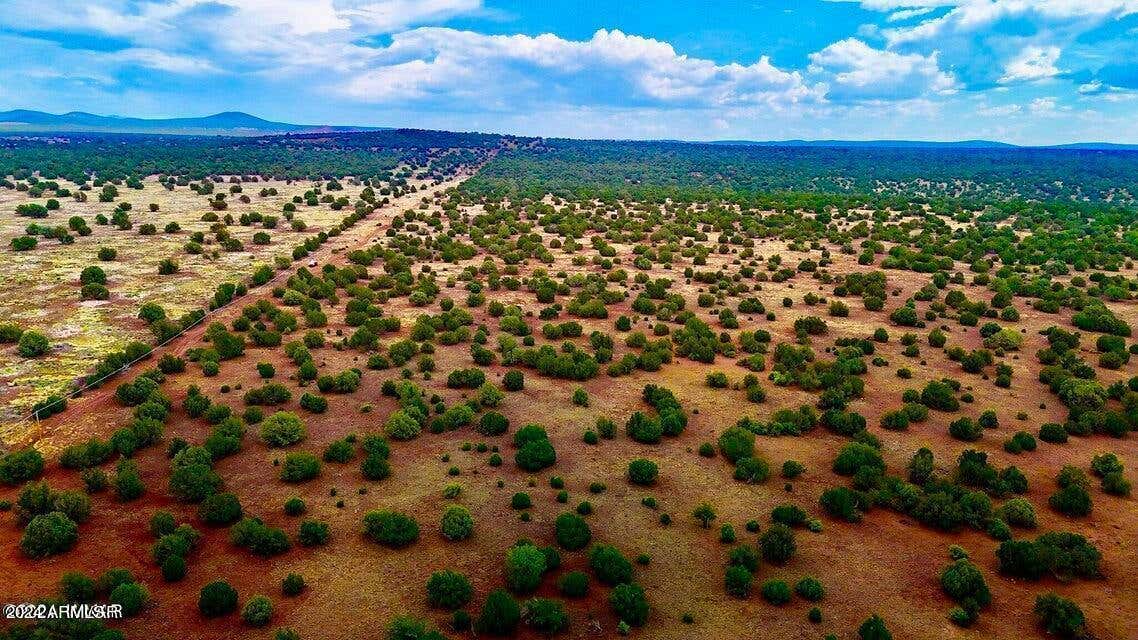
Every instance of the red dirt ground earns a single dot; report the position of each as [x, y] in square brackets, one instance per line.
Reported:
[887, 564]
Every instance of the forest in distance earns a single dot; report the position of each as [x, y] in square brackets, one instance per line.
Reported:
[645, 169]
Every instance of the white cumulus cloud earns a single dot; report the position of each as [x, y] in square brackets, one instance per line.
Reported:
[609, 68]
[854, 69]
[1032, 63]
[970, 16]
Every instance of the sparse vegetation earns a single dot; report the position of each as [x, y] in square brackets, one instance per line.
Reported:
[799, 307]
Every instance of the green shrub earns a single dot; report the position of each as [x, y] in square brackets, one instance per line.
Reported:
[192, 481]
[1018, 512]
[520, 500]
[131, 596]
[220, 509]
[448, 590]
[841, 502]
[572, 532]
[390, 528]
[874, 629]
[1072, 500]
[746, 556]
[270, 394]
[262, 540]
[574, 584]
[112, 578]
[642, 472]
[738, 580]
[294, 506]
[610, 565]
[282, 429]
[777, 544]
[525, 564]
[736, 443]
[257, 611]
[10, 332]
[752, 470]
[492, 423]
[313, 533]
[20, 466]
[963, 582]
[406, 628]
[217, 599]
[546, 615]
[717, 380]
[339, 451]
[1116, 484]
[32, 344]
[1019, 442]
[77, 587]
[457, 523]
[299, 466]
[810, 588]
[375, 467]
[776, 592]
[529, 433]
[915, 412]
[965, 429]
[580, 397]
[500, 614]
[704, 513]
[1059, 616]
[24, 243]
[856, 455]
[292, 584]
[173, 568]
[48, 534]
[401, 426]
[535, 455]
[76, 505]
[629, 604]
[1065, 555]
[789, 514]
[514, 380]
[939, 395]
[1053, 433]
[313, 402]
[1105, 464]
[895, 420]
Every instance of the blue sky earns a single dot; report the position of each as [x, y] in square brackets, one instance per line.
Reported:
[1024, 71]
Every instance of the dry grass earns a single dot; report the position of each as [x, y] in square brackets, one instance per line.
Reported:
[40, 288]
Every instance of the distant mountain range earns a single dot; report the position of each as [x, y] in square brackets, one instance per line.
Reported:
[227, 123]
[925, 144]
[236, 123]
[902, 144]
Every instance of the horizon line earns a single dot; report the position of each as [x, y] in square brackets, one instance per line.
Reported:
[28, 128]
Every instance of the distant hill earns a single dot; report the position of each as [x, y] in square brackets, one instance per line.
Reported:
[227, 123]
[923, 144]
[237, 123]
[1099, 146]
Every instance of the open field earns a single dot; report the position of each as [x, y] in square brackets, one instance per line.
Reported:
[843, 332]
[261, 223]
[85, 330]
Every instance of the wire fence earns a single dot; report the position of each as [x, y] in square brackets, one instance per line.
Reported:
[89, 384]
